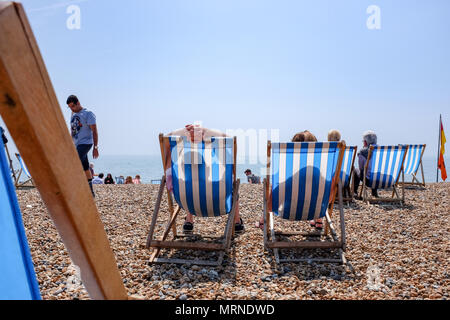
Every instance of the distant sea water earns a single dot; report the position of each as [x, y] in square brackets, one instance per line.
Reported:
[149, 167]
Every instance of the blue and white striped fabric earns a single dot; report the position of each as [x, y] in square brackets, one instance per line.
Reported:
[385, 165]
[302, 174]
[413, 158]
[347, 162]
[202, 174]
[22, 164]
[17, 276]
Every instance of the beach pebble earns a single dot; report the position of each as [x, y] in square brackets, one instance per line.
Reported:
[405, 246]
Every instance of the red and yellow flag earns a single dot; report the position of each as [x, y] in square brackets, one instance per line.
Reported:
[441, 163]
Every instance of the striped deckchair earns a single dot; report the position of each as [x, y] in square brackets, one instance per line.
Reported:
[382, 170]
[23, 169]
[204, 184]
[346, 175]
[413, 161]
[17, 275]
[301, 177]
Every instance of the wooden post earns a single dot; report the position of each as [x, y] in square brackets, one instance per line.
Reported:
[30, 109]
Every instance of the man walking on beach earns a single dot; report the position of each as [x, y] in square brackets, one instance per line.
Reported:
[84, 134]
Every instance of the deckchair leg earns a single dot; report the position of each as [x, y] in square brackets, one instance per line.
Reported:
[155, 212]
[423, 176]
[230, 223]
[265, 231]
[403, 187]
[342, 218]
[166, 232]
[273, 239]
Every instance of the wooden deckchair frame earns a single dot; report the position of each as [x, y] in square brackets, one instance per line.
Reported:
[22, 184]
[415, 181]
[31, 112]
[221, 247]
[395, 196]
[270, 240]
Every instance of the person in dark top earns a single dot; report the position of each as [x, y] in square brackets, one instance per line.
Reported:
[109, 179]
[369, 139]
[251, 178]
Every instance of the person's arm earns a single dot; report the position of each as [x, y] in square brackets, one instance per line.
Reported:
[95, 136]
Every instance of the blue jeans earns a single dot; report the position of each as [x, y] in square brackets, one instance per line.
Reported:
[83, 150]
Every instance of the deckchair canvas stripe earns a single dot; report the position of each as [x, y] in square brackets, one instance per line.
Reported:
[390, 168]
[288, 182]
[302, 181]
[182, 174]
[208, 176]
[222, 178]
[322, 180]
[295, 182]
[413, 159]
[282, 177]
[397, 167]
[195, 176]
[309, 181]
[24, 167]
[375, 169]
[346, 165]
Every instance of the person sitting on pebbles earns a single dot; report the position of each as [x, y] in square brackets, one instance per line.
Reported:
[369, 139]
[196, 134]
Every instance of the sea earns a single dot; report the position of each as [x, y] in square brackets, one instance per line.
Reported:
[149, 167]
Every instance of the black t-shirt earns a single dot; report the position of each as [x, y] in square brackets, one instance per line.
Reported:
[108, 181]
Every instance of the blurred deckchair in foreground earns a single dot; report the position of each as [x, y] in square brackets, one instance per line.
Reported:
[205, 185]
[300, 187]
[23, 169]
[30, 110]
[17, 276]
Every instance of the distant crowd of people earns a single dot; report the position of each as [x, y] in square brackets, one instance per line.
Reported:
[100, 178]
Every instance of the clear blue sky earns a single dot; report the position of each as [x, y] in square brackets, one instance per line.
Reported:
[150, 66]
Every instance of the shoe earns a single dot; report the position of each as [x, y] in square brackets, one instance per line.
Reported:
[239, 227]
[188, 226]
[375, 193]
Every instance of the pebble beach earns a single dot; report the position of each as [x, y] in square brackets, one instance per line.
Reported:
[393, 252]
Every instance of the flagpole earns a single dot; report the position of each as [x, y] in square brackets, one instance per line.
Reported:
[439, 148]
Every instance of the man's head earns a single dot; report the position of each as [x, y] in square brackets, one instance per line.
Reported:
[369, 138]
[101, 175]
[248, 172]
[73, 103]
